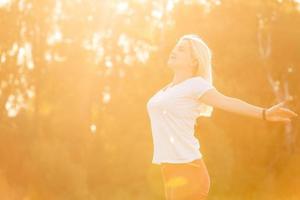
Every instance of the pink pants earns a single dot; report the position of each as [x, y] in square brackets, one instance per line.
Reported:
[186, 181]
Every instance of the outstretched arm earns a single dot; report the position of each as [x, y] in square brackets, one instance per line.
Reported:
[275, 113]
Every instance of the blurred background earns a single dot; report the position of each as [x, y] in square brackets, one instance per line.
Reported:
[75, 76]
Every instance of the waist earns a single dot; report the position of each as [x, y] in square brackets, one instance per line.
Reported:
[196, 162]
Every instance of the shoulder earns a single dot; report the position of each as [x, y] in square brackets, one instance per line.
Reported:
[199, 80]
[199, 84]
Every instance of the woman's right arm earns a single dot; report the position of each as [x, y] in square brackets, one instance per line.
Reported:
[216, 99]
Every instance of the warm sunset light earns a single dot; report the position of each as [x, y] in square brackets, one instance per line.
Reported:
[121, 100]
[4, 3]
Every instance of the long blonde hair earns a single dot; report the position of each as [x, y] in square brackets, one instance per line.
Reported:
[203, 55]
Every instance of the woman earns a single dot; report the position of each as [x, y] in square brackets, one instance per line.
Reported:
[173, 111]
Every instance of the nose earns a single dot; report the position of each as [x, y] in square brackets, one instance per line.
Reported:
[173, 55]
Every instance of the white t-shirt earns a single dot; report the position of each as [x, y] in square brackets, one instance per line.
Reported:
[173, 113]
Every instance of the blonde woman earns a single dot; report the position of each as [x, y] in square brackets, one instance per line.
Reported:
[173, 111]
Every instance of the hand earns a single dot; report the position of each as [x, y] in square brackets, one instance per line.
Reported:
[279, 113]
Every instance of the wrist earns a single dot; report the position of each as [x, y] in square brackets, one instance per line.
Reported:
[264, 114]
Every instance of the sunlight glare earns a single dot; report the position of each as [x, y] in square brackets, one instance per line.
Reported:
[48, 56]
[57, 9]
[202, 1]
[56, 37]
[93, 128]
[28, 55]
[142, 1]
[4, 3]
[108, 62]
[142, 55]
[13, 50]
[30, 92]
[170, 5]
[157, 13]
[124, 43]
[22, 5]
[218, 2]
[12, 110]
[105, 97]
[172, 139]
[21, 55]
[3, 58]
[298, 4]
[122, 7]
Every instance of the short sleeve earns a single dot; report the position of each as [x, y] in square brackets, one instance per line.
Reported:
[199, 86]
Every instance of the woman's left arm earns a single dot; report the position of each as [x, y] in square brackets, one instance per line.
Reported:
[216, 99]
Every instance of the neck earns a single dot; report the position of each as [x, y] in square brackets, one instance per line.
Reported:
[181, 76]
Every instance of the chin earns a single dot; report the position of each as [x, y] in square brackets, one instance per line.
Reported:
[170, 64]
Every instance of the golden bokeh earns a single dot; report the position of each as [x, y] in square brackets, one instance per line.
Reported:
[75, 76]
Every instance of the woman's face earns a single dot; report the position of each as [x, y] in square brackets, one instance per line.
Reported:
[180, 56]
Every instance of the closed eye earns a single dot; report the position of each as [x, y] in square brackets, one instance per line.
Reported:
[180, 48]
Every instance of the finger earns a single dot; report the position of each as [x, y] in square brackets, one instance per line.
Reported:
[288, 112]
[279, 104]
[284, 102]
[280, 119]
[285, 119]
[288, 99]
